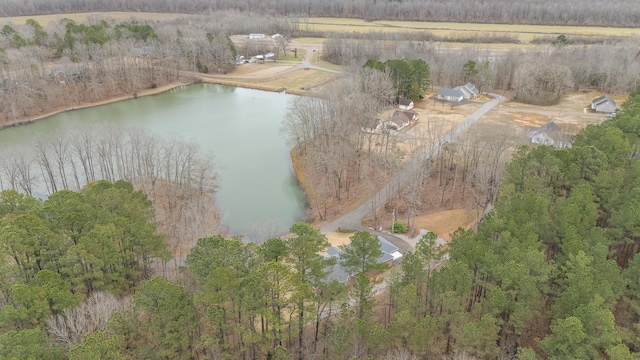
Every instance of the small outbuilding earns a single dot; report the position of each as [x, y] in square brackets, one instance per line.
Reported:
[603, 104]
[405, 104]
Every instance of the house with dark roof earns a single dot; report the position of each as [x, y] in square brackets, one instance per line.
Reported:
[410, 114]
[372, 125]
[401, 119]
[405, 104]
[397, 122]
[551, 135]
[603, 104]
[447, 94]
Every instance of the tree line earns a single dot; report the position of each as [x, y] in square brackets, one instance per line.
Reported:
[540, 76]
[411, 77]
[589, 13]
[178, 179]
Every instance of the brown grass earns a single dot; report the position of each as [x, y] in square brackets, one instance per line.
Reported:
[444, 223]
[524, 33]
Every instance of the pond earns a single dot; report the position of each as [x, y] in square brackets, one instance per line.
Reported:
[258, 191]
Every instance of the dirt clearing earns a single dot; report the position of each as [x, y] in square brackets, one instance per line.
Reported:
[339, 238]
[444, 223]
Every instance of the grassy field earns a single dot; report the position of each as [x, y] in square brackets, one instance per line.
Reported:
[524, 33]
[300, 79]
[310, 40]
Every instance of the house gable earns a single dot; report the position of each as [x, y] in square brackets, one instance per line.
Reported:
[551, 135]
[468, 91]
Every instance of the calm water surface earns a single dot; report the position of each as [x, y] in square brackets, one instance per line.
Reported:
[240, 127]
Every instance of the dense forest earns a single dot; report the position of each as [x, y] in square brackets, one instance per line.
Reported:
[551, 273]
[574, 12]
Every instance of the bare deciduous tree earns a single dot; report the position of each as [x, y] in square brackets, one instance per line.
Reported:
[90, 316]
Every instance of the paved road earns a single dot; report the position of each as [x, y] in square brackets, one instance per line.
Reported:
[353, 219]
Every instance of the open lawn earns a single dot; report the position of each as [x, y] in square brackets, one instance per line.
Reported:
[300, 79]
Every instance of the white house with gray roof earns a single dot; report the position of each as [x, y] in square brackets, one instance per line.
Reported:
[447, 94]
[469, 91]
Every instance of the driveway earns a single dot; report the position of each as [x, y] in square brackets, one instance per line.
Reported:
[353, 219]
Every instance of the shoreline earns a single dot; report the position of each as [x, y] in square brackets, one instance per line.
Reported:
[150, 92]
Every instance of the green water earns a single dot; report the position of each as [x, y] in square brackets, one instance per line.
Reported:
[240, 127]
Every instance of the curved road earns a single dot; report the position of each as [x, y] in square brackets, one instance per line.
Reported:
[353, 219]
